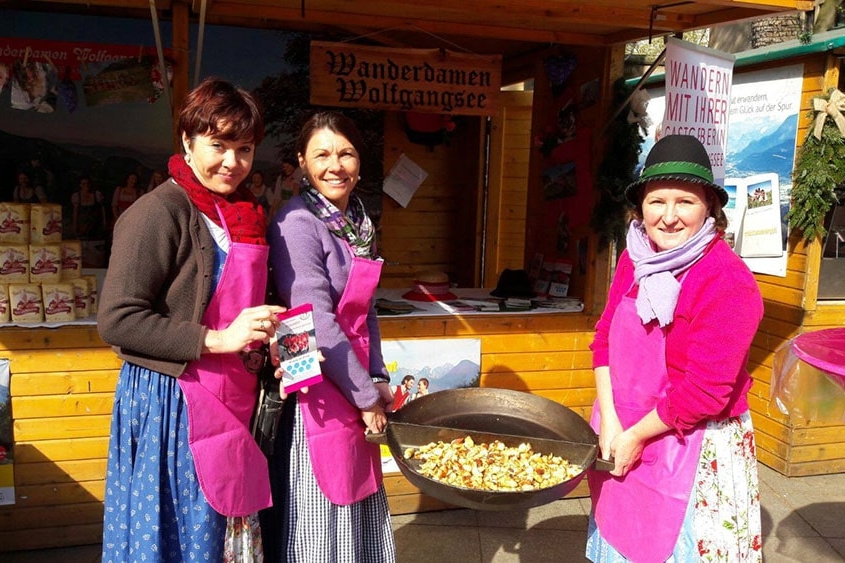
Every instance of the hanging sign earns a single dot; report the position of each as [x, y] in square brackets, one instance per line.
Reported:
[73, 56]
[423, 80]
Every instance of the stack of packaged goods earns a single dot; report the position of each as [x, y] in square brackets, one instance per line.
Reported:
[41, 276]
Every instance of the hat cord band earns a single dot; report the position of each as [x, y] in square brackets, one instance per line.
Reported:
[677, 167]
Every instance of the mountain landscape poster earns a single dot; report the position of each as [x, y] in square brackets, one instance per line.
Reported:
[420, 367]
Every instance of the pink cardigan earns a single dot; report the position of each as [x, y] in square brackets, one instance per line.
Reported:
[708, 342]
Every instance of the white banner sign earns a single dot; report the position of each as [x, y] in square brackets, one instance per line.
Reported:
[698, 95]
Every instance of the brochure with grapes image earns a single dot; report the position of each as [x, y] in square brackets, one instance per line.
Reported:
[298, 352]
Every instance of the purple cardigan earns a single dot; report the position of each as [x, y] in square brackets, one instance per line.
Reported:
[707, 344]
[311, 265]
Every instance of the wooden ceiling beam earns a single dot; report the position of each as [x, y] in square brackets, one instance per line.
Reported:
[764, 5]
[526, 14]
[224, 9]
[711, 19]
[112, 4]
[504, 20]
[731, 15]
[574, 22]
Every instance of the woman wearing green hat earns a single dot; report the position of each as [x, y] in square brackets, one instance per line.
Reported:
[669, 357]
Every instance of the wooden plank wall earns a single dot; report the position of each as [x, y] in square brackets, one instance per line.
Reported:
[438, 229]
[789, 444]
[782, 321]
[62, 386]
[507, 192]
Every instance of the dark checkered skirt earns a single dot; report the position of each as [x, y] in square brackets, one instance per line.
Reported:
[304, 525]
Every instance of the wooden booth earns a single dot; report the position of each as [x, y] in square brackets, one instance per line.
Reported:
[481, 209]
[803, 287]
[810, 296]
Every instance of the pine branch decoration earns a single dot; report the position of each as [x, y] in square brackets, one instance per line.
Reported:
[819, 172]
[616, 172]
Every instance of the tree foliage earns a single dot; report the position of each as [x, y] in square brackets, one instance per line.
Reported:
[285, 96]
[286, 100]
[652, 48]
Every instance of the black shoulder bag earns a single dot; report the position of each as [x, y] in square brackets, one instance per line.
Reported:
[268, 411]
[268, 408]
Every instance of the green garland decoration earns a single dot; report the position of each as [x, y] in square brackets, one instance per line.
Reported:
[616, 171]
[818, 175]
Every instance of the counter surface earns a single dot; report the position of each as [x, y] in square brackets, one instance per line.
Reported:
[470, 301]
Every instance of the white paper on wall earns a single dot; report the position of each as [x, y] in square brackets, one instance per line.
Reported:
[403, 180]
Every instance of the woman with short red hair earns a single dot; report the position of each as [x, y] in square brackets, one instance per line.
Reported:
[182, 301]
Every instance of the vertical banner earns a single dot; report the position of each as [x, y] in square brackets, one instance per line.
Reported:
[7, 461]
[698, 95]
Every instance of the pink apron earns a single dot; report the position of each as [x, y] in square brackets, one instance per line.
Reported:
[221, 396]
[346, 466]
[641, 514]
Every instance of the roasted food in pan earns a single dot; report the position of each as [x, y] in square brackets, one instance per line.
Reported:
[491, 466]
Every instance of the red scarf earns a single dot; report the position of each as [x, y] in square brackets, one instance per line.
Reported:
[242, 213]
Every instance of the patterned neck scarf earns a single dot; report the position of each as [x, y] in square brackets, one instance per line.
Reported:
[656, 272]
[355, 226]
[243, 215]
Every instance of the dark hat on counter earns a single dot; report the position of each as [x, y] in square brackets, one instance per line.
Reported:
[677, 157]
[514, 283]
[430, 286]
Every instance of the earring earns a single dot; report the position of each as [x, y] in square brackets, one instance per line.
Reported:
[187, 158]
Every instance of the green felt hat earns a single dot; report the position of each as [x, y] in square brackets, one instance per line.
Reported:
[677, 157]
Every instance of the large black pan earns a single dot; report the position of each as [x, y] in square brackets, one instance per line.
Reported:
[486, 414]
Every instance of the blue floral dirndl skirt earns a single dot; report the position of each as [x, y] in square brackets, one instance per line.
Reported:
[154, 508]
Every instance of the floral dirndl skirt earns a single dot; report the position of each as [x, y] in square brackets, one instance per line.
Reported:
[722, 521]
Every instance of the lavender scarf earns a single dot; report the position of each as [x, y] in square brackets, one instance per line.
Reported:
[655, 271]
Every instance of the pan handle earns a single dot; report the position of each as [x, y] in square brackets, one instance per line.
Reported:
[376, 437]
[604, 464]
[379, 437]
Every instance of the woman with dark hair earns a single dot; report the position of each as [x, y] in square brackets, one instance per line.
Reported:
[261, 192]
[182, 304]
[125, 195]
[402, 393]
[89, 211]
[669, 356]
[25, 192]
[287, 183]
[329, 500]
[156, 179]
